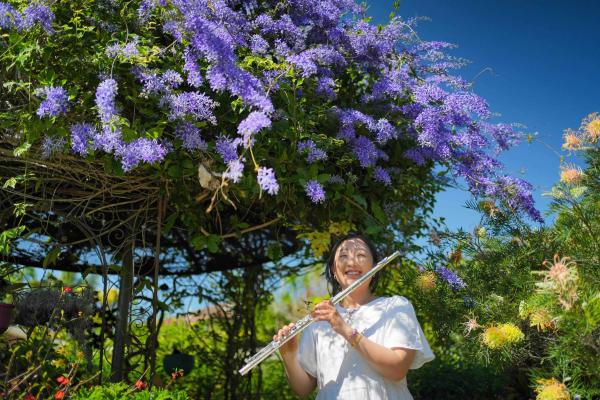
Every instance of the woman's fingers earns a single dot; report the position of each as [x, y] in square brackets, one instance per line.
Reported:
[283, 331]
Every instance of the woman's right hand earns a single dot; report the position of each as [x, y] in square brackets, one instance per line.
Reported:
[291, 346]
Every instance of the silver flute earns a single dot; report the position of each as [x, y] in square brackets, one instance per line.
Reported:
[301, 324]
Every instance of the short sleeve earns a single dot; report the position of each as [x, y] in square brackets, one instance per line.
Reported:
[402, 329]
[307, 353]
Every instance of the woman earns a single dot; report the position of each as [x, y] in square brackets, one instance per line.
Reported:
[361, 349]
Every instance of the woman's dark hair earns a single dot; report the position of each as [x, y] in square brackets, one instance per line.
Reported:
[333, 285]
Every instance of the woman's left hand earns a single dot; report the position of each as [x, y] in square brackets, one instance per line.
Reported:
[326, 311]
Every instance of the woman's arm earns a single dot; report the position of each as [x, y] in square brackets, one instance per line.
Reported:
[300, 381]
[392, 364]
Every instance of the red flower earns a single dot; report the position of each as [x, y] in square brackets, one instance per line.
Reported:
[176, 374]
[140, 385]
[59, 395]
[67, 289]
[29, 396]
[62, 380]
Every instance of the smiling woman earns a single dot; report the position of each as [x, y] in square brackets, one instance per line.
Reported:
[362, 348]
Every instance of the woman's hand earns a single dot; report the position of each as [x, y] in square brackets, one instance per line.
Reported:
[291, 346]
[326, 311]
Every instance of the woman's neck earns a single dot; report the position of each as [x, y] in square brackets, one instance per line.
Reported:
[354, 299]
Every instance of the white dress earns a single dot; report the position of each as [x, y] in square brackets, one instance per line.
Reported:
[341, 372]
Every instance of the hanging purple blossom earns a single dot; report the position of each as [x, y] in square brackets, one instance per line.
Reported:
[314, 190]
[108, 140]
[141, 150]
[267, 181]
[55, 101]
[7, 16]
[314, 153]
[198, 105]
[81, 135]
[251, 125]
[365, 151]
[454, 281]
[190, 136]
[227, 148]
[105, 99]
[382, 175]
[234, 171]
[51, 146]
[36, 13]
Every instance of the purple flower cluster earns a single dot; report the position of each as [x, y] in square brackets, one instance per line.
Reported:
[81, 136]
[56, 100]
[267, 181]
[197, 105]
[105, 100]
[227, 148]
[127, 51]
[234, 171]
[190, 136]
[34, 13]
[141, 150]
[454, 281]
[314, 153]
[314, 190]
[382, 175]
[51, 146]
[251, 125]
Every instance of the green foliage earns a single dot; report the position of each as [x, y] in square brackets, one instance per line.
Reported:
[121, 391]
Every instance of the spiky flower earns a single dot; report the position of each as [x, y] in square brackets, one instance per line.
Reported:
[551, 389]
[592, 127]
[541, 319]
[470, 325]
[562, 279]
[503, 335]
[572, 140]
[571, 175]
[426, 281]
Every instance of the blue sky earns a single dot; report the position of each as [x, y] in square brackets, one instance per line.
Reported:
[535, 62]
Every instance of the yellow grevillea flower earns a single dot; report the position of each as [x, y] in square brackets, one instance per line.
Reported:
[501, 335]
[541, 319]
[551, 389]
[319, 242]
[592, 127]
[426, 281]
[570, 175]
[572, 140]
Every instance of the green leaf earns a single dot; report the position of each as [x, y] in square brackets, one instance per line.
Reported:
[22, 149]
[10, 183]
[51, 257]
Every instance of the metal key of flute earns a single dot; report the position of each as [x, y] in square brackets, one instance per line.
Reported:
[301, 324]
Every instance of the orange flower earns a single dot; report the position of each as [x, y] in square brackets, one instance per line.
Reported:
[176, 374]
[29, 396]
[592, 128]
[572, 140]
[59, 395]
[140, 385]
[570, 175]
[62, 380]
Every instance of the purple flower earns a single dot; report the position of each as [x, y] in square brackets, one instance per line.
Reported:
[365, 151]
[453, 280]
[251, 125]
[194, 76]
[382, 175]
[234, 171]
[7, 15]
[108, 140]
[39, 13]
[105, 99]
[227, 148]
[336, 179]
[267, 181]
[190, 135]
[196, 104]
[258, 45]
[51, 146]
[172, 78]
[314, 153]
[81, 135]
[141, 150]
[55, 101]
[326, 87]
[314, 190]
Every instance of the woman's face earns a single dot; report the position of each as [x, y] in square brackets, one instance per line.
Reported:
[352, 259]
